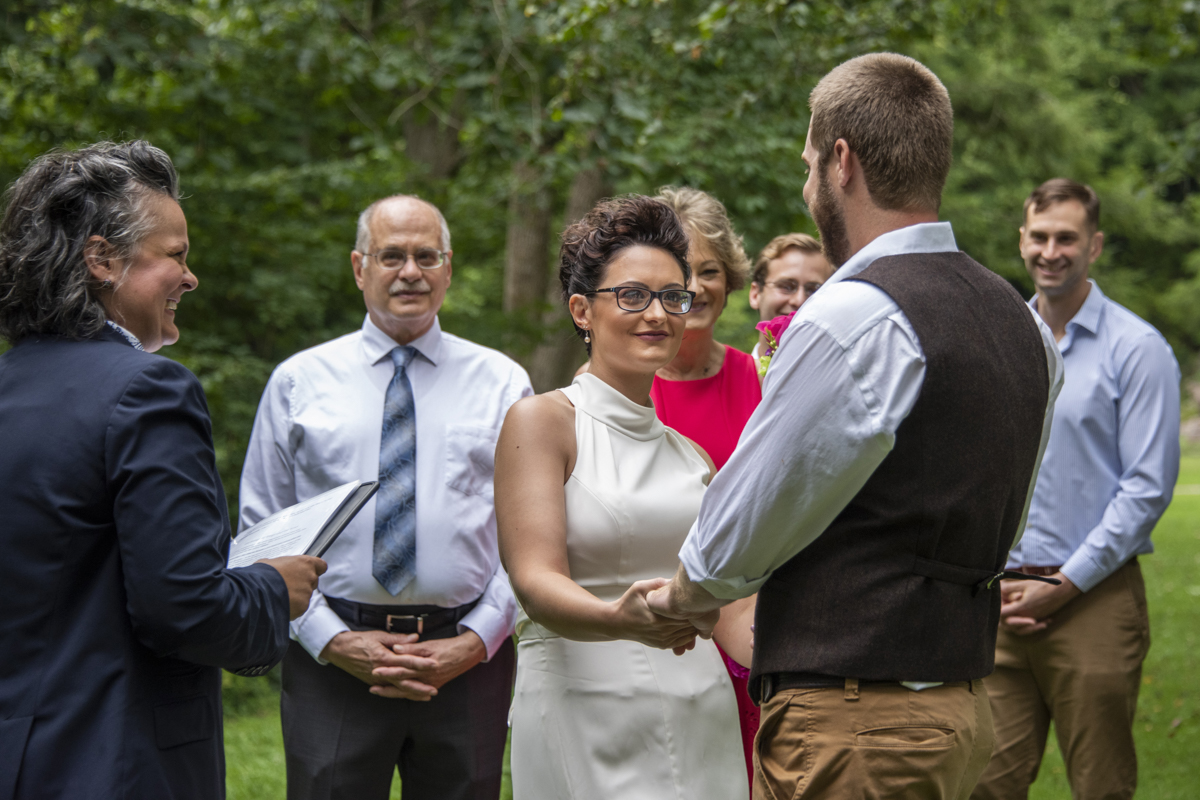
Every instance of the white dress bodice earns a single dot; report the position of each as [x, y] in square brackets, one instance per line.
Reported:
[617, 720]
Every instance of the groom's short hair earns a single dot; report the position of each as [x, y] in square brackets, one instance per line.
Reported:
[896, 116]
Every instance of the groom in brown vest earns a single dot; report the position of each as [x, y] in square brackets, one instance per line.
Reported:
[875, 493]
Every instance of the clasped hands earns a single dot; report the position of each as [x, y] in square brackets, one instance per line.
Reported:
[644, 614]
[679, 608]
[1026, 606]
[402, 666]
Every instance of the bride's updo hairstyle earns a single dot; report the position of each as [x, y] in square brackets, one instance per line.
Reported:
[589, 245]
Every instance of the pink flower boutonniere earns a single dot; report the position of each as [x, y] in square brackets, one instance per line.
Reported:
[773, 330]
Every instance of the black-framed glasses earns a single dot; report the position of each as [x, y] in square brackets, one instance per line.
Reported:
[635, 298]
[394, 258]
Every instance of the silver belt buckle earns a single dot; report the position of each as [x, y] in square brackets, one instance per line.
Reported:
[420, 618]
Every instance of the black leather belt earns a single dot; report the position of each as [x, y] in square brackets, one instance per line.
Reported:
[398, 619]
[774, 682]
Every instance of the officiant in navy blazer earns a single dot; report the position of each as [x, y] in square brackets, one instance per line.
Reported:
[118, 609]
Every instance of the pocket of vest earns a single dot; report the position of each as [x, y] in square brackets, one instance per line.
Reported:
[917, 736]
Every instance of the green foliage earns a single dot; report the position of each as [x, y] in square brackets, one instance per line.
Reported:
[1107, 93]
[287, 117]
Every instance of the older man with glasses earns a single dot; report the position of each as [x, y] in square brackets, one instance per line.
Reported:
[404, 659]
[787, 272]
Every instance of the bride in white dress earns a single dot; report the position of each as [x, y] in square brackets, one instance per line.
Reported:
[594, 497]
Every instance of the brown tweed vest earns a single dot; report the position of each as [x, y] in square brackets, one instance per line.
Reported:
[896, 587]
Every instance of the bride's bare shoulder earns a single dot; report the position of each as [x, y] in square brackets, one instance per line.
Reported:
[550, 412]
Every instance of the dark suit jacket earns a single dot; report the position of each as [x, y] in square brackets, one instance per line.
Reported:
[117, 608]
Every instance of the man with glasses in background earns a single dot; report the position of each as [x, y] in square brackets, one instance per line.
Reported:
[787, 272]
[404, 658]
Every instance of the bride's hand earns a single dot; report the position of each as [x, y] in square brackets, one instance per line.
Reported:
[635, 621]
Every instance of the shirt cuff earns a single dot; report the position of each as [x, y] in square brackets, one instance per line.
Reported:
[314, 629]
[1082, 571]
[720, 588]
[489, 625]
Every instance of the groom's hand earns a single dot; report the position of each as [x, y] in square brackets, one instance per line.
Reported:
[633, 619]
[683, 599]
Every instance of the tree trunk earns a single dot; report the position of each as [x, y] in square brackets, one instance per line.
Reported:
[555, 360]
[528, 241]
[432, 143]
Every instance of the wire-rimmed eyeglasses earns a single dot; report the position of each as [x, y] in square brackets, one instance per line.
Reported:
[788, 287]
[394, 258]
[635, 298]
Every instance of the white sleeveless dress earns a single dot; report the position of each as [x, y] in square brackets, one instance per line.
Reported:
[619, 720]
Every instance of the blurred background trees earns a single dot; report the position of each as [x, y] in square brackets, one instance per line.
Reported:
[286, 117]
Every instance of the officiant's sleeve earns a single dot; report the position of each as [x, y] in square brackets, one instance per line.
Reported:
[173, 532]
[847, 373]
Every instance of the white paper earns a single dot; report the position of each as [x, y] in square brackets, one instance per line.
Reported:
[289, 532]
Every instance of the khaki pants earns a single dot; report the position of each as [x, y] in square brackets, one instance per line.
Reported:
[877, 741]
[1083, 672]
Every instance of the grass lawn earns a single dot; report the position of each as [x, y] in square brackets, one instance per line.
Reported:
[1168, 719]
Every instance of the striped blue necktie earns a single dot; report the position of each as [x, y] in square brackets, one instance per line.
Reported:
[394, 557]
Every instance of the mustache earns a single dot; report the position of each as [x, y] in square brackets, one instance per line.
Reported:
[400, 285]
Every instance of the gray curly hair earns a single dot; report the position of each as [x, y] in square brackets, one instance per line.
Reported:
[61, 200]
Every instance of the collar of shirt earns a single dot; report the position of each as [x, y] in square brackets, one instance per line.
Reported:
[125, 332]
[1087, 317]
[924, 237]
[377, 344]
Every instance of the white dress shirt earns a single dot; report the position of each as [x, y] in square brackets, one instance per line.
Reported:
[1113, 457]
[848, 371]
[318, 427]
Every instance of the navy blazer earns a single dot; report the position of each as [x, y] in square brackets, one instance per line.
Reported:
[118, 612]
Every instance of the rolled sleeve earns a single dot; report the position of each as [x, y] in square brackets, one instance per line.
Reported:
[697, 568]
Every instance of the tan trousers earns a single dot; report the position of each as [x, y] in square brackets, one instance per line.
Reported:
[1083, 672]
[875, 741]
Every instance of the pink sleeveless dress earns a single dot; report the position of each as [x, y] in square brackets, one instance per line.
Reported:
[712, 412]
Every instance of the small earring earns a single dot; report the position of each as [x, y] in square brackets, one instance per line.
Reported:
[587, 337]
[106, 284]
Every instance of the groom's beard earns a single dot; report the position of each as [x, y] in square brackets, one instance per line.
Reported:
[831, 222]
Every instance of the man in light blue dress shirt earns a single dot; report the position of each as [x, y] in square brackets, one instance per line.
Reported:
[1073, 653]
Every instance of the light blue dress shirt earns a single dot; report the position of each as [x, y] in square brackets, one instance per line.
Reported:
[1113, 456]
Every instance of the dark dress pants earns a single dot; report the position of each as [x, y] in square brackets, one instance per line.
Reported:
[342, 742]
